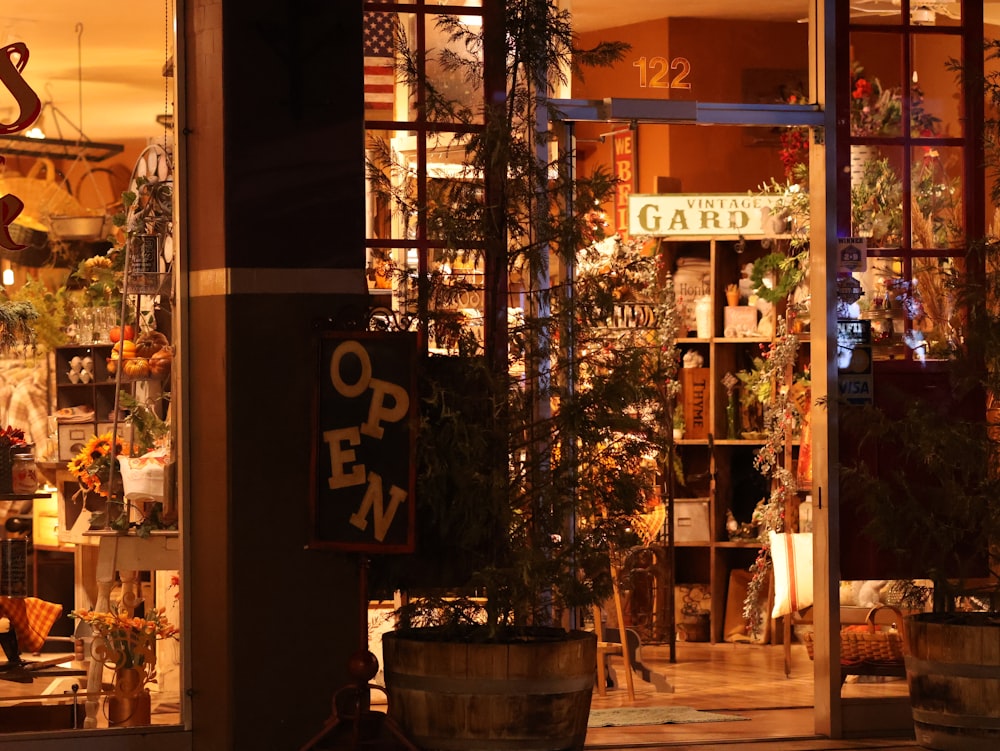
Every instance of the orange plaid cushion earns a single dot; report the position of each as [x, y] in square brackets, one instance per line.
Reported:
[31, 618]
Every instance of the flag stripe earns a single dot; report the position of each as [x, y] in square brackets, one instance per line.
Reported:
[379, 32]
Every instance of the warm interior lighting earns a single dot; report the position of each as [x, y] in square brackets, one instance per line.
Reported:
[8, 277]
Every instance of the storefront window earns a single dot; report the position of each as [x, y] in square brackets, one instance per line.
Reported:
[423, 196]
[91, 580]
[907, 176]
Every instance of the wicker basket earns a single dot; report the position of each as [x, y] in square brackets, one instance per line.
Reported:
[869, 643]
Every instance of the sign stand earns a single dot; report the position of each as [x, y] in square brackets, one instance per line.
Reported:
[352, 721]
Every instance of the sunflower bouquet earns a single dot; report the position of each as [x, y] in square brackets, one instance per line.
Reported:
[96, 463]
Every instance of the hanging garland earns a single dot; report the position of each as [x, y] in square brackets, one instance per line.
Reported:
[17, 324]
[787, 275]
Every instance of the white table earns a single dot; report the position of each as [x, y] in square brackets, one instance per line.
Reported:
[125, 555]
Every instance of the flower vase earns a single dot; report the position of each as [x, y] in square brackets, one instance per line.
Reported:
[130, 705]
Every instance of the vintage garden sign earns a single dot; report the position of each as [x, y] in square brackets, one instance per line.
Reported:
[364, 443]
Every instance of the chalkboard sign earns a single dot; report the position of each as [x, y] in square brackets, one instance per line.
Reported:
[364, 443]
[14, 567]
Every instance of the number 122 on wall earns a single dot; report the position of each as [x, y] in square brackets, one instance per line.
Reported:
[655, 72]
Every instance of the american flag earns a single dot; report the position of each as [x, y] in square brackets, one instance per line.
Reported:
[379, 30]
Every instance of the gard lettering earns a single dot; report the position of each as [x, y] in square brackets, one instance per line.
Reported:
[649, 220]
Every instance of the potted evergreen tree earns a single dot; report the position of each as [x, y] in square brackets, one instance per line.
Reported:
[539, 443]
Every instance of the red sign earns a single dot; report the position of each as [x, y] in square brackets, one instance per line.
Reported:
[624, 144]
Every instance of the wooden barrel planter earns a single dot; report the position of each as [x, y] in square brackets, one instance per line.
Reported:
[532, 694]
[953, 673]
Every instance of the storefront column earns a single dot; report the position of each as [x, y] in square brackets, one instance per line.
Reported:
[272, 215]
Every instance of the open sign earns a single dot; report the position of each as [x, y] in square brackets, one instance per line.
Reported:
[364, 443]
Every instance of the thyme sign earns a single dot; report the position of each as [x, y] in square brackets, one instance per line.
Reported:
[364, 443]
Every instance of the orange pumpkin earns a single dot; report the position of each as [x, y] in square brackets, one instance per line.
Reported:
[136, 367]
[160, 362]
[123, 350]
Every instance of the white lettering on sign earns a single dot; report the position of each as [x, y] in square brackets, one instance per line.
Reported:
[389, 403]
[340, 457]
[373, 502]
[681, 214]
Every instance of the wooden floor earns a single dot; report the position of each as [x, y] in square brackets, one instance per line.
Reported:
[742, 679]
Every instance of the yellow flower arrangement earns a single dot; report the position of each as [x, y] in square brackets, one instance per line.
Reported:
[125, 643]
[92, 466]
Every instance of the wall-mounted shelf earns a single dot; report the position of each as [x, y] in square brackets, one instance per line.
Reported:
[57, 148]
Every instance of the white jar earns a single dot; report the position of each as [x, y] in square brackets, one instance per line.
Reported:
[703, 316]
[23, 474]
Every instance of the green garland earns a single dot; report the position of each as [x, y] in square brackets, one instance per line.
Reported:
[17, 324]
[786, 272]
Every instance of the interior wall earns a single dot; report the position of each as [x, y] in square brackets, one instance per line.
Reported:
[730, 61]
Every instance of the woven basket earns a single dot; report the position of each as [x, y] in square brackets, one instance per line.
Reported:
[869, 643]
[42, 196]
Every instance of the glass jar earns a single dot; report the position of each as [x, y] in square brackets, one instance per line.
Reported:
[24, 474]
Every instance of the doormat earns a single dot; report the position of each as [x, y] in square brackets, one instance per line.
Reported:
[624, 716]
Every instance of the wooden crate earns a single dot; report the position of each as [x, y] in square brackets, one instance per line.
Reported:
[695, 398]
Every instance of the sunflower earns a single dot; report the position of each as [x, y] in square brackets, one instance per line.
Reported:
[92, 466]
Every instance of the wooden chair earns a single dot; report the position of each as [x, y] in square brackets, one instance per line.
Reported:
[606, 648]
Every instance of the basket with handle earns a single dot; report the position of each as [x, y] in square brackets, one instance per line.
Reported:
[870, 642]
[42, 194]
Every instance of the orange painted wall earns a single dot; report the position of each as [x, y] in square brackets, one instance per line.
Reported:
[704, 159]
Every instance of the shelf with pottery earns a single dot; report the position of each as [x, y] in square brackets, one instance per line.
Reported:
[724, 335]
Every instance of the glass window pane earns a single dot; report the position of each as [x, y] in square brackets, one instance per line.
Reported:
[453, 62]
[392, 185]
[456, 298]
[882, 304]
[877, 194]
[876, 85]
[381, 40]
[936, 207]
[932, 309]
[937, 96]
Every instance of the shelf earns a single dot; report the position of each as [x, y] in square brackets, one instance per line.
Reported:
[743, 544]
[741, 340]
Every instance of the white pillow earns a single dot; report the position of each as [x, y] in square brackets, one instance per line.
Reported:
[792, 556]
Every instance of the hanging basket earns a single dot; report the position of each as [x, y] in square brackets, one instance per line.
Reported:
[37, 248]
[41, 194]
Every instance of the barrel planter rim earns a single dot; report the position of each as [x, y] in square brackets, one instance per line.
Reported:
[476, 634]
